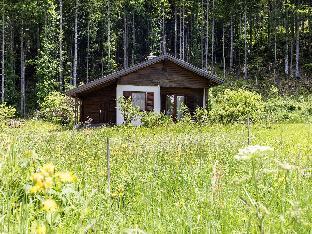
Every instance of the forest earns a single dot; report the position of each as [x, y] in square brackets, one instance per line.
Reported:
[54, 45]
[185, 157]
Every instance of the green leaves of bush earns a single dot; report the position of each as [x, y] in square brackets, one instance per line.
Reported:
[57, 108]
[128, 110]
[288, 109]
[237, 105]
[6, 112]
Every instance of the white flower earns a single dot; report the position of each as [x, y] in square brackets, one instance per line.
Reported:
[286, 166]
[250, 151]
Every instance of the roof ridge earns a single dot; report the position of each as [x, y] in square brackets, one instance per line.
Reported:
[118, 73]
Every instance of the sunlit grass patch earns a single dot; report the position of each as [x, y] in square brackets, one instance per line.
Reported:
[179, 178]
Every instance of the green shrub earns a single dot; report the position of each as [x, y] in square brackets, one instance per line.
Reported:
[129, 112]
[57, 108]
[289, 109]
[201, 115]
[6, 112]
[237, 105]
[185, 115]
[152, 119]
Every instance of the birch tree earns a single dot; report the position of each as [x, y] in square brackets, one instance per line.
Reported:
[76, 46]
[23, 94]
[245, 43]
[61, 78]
[3, 55]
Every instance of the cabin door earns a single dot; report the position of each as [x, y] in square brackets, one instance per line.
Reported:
[174, 105]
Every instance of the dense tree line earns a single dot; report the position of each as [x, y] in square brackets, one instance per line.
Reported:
[49, 45]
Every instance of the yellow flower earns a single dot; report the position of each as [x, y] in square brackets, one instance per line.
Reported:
[65, 177]
[48, 182]
[48, 169]
[49, 205]
[37, 177]
[35, 189]
[38, 228]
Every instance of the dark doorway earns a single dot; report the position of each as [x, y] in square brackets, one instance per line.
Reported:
[174, 104]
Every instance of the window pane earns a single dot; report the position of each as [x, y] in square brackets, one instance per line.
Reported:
[169, 104]
[180, 102]
[138, 99]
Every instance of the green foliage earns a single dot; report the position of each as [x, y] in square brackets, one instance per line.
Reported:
[47, 61]
[185, 115]
[289, 109]
[6, 112]
[152, 119]
[57, 108]
[128, 110]
[201, 115]
[237, 105]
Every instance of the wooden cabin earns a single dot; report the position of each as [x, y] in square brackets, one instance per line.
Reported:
[160, 84]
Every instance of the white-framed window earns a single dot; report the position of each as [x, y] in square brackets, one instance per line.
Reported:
[139, 100]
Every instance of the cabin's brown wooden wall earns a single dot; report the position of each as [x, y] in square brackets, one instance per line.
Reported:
[193, 97]
[165, 74]
[103, 99]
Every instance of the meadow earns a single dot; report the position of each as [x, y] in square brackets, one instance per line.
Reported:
[180, 178]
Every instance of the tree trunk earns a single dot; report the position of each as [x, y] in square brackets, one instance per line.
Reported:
[175, 30]
[61, 78]
[125, 40]
[183, 32]
[164, 49]
[286, 60]
[286, 47]
[291, 72]
[23, 98]
[239, 50]
[232, 45]
[275, 56]
[180, 33]
[245, 39]
[76, 47]
[133, 41]
[223, 51]
[297, 48]
[212, 35]
[3, 58]
[291, 66]
[202, 41]
[207, 36]
[108, 31]
[88, 49]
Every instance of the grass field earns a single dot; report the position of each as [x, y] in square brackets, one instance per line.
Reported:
[176, 179]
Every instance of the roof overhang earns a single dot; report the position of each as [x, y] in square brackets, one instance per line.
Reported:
[115, 75]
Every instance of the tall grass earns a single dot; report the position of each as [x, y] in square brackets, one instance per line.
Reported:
[176, 179]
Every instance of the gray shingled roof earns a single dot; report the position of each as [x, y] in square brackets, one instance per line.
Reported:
[115, 75]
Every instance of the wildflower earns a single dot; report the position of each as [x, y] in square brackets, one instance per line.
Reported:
[35, 189]
[49, 205]
[37, 177]
[38, 228]
[48, 169]
[286, 166]
[65, 177]
[250, 151]
[48, 183]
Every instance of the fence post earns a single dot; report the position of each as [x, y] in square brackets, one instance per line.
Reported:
[108, 166]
